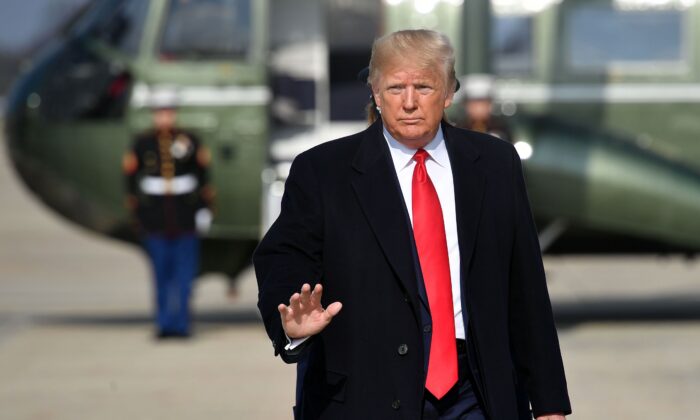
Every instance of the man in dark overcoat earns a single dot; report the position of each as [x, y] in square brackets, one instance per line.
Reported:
[429, 298]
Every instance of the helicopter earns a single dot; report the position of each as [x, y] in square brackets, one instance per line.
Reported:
[607, 142]
[83, 97]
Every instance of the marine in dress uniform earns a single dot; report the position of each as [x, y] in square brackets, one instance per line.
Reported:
[170, 196]
[477, 104]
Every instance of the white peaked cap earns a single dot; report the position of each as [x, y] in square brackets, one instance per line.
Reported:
[164, 98]
[477, 86]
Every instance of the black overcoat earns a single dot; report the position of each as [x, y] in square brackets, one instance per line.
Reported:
[343, 224]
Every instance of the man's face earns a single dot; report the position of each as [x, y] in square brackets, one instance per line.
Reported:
[164, 119]
[479, 109]
[412, 101]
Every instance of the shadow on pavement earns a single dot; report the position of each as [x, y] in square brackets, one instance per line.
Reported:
[567, 314]
[214, 317]
[651, 309]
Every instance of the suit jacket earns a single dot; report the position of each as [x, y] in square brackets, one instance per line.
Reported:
[343, 223]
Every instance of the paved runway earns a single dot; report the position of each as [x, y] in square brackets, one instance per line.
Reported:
[75, 333]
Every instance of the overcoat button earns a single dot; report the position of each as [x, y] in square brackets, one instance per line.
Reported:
[427, 329]
[396, 404]
[403, 349]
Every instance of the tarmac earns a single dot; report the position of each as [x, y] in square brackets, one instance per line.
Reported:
[76, 334]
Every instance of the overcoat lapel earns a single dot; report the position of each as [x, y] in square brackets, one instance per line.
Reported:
[469, 182]
[379, 195]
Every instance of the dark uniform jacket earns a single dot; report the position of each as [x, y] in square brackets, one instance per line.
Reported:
[167, 174]
[495, 126]
[343, 224]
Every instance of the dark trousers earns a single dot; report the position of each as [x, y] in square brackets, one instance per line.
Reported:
[175, 264]
[461, 402]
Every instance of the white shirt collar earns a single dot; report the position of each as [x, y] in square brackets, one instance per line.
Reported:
[403, 155]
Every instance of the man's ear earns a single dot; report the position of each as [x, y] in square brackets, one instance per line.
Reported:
[449, 98]
[377, 98]
[449, 95]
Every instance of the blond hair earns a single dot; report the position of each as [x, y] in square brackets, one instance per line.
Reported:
[424, 47]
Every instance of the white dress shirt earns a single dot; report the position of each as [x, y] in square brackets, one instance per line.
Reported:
[440, 172]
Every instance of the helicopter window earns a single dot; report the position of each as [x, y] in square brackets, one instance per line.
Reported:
[512, 44]
[123, 28]
[83, 86]
[207, 29]
[598, 38]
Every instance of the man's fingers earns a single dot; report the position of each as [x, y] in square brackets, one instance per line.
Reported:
[294, 303]
[305, 295]
[284, 310]
[316, 295]
[334, 308]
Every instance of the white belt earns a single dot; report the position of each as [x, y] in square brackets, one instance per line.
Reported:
[156, 185]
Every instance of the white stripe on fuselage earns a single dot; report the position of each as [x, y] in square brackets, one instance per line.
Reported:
[615, 93]
[147, 96]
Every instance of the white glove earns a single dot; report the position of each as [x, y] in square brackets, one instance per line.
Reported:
[202, 220]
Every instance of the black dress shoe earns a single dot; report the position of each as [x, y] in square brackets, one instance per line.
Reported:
[169, 335]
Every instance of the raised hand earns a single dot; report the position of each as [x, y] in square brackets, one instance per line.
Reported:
[305, 316]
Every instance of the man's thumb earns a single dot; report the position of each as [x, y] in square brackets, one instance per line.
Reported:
[334, 308]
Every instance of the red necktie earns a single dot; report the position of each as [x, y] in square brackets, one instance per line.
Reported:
[429, 233]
